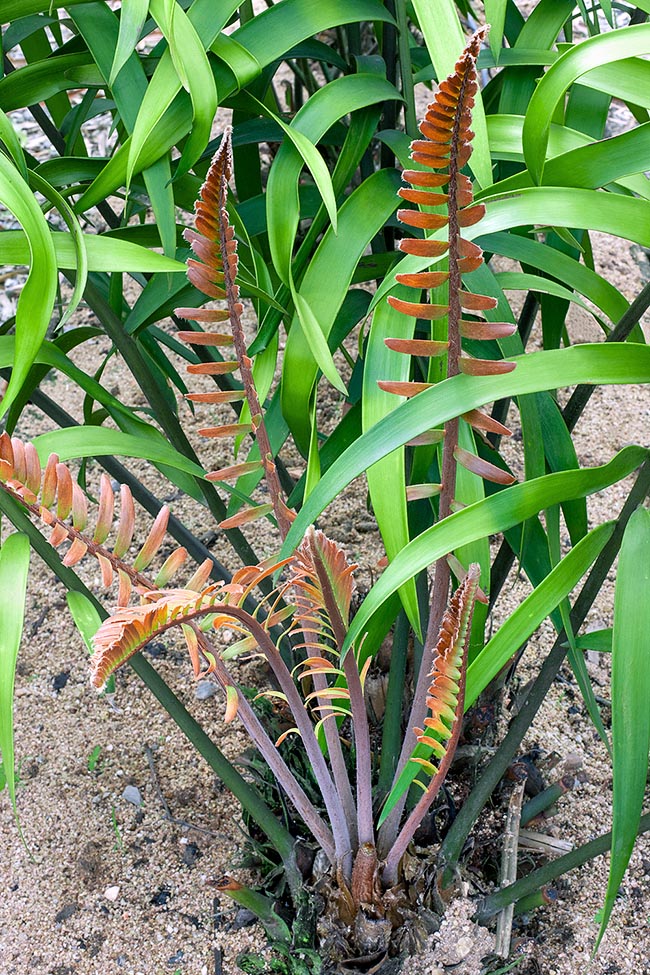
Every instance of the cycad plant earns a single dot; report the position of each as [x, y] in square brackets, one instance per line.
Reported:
[438, 486]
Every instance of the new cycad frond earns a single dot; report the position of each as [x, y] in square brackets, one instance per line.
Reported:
[444, 150]
[56, 498]
[445, 704]
[215, 275]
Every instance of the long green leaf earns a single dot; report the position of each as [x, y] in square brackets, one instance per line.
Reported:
[14, 567]
[85, 441]
[36, 301]
[523, 622]
[534, 372]
[591, 53]
[133, 14]
[630, 696]
[104, 254]
[495, 514]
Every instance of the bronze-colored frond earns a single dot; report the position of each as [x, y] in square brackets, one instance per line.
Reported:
[57, 499]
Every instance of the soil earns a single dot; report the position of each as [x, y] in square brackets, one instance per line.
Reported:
[128, 831]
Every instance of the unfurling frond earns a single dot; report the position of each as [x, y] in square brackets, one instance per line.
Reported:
[214, 273]
[444, 149]
[130, 629]
[322, 579]
[55, 497]
[447, 688]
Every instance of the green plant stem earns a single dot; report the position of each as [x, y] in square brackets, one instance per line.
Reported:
[454, 841]
[247, 795]
[528, 885]
[392, 727]
[406, 72]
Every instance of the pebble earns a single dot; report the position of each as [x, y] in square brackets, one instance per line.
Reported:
[132, 795]
[60, 680]
[204, 690]
[65, 912]
[112, 893]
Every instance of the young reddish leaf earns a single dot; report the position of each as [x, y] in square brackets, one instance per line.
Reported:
[227, 430]
[423, 279]
[486, 330]
[418, 309]
[476, 302]
[426, 221]
[7, 457]
[201, 576]
[232, 704]
[124, 589]
[19, 462]
[154, 540]
[427, 438]
[483, 467]
[403, 389]
[79, 508]
[484, 367]
[170, 567]
[205, 338]
[203, 314]
[481, 421]
[234, 471]
[107, 570]
[75, 553]
[64, 491]
[218, 396]
[126, 523]
[245, 516]
[423, 248]
[416, 492]
[105, 512]
[422, 347]
[33, 470]
[213, 368]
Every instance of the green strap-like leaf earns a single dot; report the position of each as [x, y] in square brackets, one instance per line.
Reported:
[613, 363]
[523, 622]
[104, 253]
[133, 14]
[84, 441]
[495, 514]
[14, 567]
[36, 301]
[630, 697]
[592, 53]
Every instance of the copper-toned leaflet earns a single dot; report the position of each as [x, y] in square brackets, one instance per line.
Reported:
[424, 347]
[483, 467]
[423, 248]
[403, 389]
[227, 430]
[423, 279]
[218, 396]
[418, 178]
[427, 221]
[476, 302]
[205, 338]
[481, 421]
[213, 368]
[202, 314]
[486, 330]
[426, 198]
[245, 516]
[418, 309]
[485, 367]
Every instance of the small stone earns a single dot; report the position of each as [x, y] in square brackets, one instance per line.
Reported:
[190, 854]
[204, 690]
[243, 918]
[161, 897]
[65, 912]
[112, 893]
[60, 680]
[132, 794]
[176, 957]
